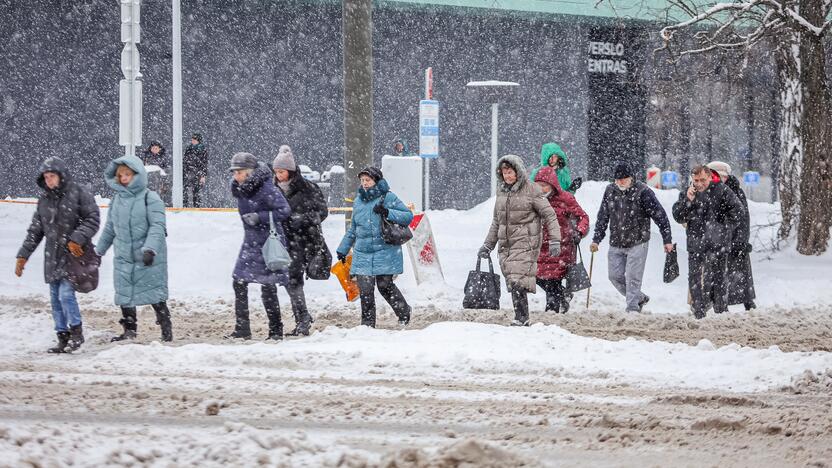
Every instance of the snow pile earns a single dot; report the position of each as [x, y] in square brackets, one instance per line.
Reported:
[473, 352]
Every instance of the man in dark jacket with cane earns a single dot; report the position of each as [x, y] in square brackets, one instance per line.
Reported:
[627, 207]
[711, 212]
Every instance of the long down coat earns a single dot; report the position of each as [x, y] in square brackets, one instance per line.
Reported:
[303, 227]
[135, 224]
[258, 194]
[370, 254]
[519, 213]
[66, 213]
[740, 281]
[572, 219]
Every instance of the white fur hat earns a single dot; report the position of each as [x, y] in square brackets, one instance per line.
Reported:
[722, 168]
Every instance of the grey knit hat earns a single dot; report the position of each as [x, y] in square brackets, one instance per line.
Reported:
[243, 161]
[285, 159]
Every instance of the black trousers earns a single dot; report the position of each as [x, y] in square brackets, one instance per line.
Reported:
[388, 290]
[554, 293]
[195, 188]
[297, 296]
[706, 279]
[268, 293]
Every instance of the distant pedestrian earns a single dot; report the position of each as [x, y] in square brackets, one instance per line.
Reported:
[158, 177]
[711, 212]
[195, 169]
[68, 218]
[740, 280]
[303, 230]
[136, 230]
[627, 208]
[520, 213]
[375, 262]
[401, 148]
[552, 155]
[574, 225]
[260, 204]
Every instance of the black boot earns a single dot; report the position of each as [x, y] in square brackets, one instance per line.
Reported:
[163, 320]
[272, 306]
[76, 337]
[521, 308]
[128, 321]
[242, 327]
[63, 342]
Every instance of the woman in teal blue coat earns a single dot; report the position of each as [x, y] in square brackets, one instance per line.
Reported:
[136, 230]
[374, 262]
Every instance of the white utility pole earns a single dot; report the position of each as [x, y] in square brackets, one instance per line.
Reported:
[130, 88]
[177, 105]
[495, 132]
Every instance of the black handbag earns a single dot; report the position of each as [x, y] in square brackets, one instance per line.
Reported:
[82, 272]
[320, 264]
[393, 233]
[671, 266]
[482, 290]
[577, 278]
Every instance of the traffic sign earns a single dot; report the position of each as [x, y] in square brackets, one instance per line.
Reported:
[429, 128]
[670, 179]
[751, 178]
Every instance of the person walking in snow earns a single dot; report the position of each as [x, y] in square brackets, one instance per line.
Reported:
[401, 148]
[552, 155]
[574, 225]
[740, 281]
[195, 169]
[155, 155]
[711, 212]
[136, 230]
[68, 218]
[260, 204]
[519, 214]
[627, 208]
[375, 262]
[303, 230]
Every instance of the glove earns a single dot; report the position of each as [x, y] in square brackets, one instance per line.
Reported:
[252, 219]
[749, 248]
[18, 266]
[593, 247]
[147, 257]
[576, 237]
[341, 257]
[484, 252]
[381, 210]
[74, 249]
[554, 248]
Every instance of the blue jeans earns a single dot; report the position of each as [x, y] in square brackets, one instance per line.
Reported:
[65, 311]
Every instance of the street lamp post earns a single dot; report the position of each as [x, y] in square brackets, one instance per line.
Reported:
[130, 88]
[493, 92]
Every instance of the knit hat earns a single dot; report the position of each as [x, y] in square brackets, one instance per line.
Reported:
[622, 171]
[243, 161]
[285, 159]
[722, 168]
[197, 137]
[372, 172]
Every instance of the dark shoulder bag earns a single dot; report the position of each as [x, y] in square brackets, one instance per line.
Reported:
[393, 233]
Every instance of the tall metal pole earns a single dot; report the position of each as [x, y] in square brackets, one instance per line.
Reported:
[495, 130]
[177, 105]
[130, 88]
[358, 91]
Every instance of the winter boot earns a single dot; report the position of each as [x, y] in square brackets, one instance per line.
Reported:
[404, 317]
[303, 322]
[521, 308]
[242, 326]
[643, 302]
[564, 304]
[750, 305]
[76, 337]
[163, 320]
[63, 342]
[128, 321]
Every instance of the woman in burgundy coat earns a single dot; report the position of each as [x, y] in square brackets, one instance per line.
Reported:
[574, 224]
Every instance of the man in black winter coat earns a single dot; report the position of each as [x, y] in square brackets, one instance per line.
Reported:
[195, 168]
[68, 217]
[155, 155]
[712, 212]
[303, 230]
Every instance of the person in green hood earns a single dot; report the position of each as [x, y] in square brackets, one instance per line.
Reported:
[552, 155]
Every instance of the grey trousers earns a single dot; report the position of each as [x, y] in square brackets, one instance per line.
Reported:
[626, 269]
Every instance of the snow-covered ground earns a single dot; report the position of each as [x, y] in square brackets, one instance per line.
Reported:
[452, 372]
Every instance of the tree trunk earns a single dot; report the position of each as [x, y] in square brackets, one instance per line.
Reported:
[791, 142]
[816, 181]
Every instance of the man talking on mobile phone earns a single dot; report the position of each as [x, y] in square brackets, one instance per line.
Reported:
[711, 211]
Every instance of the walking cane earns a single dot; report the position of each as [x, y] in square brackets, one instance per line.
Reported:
[591, 261]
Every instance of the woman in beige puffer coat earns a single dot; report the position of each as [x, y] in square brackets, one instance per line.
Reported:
[519, 213]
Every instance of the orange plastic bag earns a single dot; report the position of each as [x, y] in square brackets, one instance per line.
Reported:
[342, 272]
